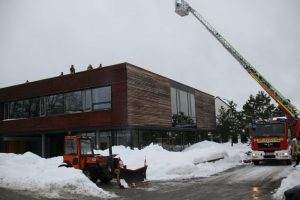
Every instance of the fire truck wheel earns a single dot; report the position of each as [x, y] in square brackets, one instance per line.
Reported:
[91, 173]
[288, 162]
[255, 162]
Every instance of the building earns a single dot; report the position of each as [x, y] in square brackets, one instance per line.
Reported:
[219, 103]
[124, 104]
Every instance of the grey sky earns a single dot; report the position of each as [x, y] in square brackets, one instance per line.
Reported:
[41, 38]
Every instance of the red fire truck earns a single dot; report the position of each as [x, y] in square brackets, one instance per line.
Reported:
[272, 139]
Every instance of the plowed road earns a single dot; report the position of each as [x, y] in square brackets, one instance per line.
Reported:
[240, 183]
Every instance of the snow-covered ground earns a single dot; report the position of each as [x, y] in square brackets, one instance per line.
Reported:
[42, 176]
[293, 179]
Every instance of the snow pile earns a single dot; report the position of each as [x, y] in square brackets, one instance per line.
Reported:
[292, 180]
[191, 163]
[44, 178]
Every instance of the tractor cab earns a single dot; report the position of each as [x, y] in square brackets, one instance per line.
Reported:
[78, 150]
[78, 153]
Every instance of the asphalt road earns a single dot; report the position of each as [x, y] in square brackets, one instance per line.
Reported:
[240, 183]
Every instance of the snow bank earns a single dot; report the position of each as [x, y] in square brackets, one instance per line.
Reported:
[292, 180]
[44, 178]
[191, 163]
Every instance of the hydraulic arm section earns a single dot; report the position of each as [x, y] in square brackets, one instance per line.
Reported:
[182, 8]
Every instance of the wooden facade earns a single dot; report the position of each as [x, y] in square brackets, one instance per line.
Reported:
[149, 102]
[140, 103]
[205, 111]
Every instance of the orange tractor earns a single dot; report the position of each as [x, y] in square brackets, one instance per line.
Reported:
[78, 153]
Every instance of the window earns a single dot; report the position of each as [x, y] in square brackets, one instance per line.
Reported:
[32, 107]
[173, 101]
[102, 98]
[42, 106]
[183, 107]
[86, 147]
[192, 107]
[6, 111]
[87, 100]
[70, 147]
[55, 104]
[73, 102]
[183, 103]
[16, 110]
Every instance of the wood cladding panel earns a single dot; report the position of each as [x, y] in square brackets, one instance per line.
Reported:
[205, 111]
[148, 95]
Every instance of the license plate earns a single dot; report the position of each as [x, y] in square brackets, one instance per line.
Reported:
[269, 153]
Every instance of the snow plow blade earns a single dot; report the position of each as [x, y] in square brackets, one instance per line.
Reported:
[132, 178]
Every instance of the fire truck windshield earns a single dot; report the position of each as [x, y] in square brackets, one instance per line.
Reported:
[270, 130]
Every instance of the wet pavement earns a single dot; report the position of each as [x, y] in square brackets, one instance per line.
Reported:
[241, 183]
[245, 182]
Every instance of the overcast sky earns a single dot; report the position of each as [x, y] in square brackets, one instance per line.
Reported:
[42, 38]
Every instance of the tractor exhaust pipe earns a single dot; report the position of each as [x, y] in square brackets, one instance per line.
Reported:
[109, 145]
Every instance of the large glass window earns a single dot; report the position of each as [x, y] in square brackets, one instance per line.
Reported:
[102, 98]
[55, 104]
[73, 102]
[183, 108]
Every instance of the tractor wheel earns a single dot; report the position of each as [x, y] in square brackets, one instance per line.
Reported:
[91, 173]
[105, 179]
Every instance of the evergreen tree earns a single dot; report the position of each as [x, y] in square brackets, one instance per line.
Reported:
[229, 123]
[258, 107]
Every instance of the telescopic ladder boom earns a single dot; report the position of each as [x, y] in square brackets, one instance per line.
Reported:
[182, 8]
